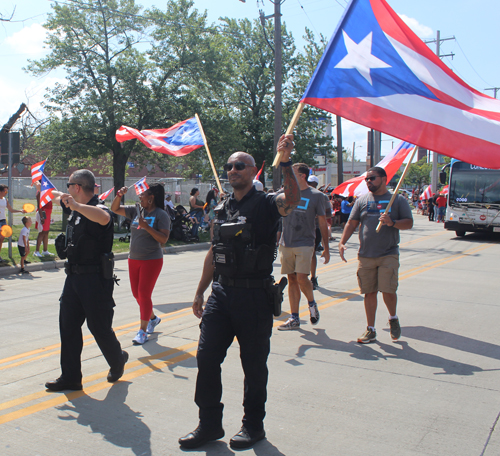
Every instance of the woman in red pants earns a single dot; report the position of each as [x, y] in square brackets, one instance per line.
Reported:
[148, 231]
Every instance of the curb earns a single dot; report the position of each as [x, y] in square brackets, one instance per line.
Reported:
[59, 264]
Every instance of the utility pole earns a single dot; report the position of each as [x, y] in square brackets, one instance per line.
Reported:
[277, 89]
[495, 91]
[438, 41]
[340, 157]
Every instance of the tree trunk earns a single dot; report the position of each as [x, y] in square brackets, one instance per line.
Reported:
[120, 157]
[6, 128]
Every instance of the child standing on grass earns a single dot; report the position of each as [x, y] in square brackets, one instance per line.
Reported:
[23, 244]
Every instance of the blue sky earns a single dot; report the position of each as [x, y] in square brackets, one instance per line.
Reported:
[474, 25]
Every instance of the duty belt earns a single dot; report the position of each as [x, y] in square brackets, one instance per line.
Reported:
[245, 283]
[81, 268]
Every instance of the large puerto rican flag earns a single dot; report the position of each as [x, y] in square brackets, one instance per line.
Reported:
[46, 190]
[391, 163]
[375, 71]
[180, 139]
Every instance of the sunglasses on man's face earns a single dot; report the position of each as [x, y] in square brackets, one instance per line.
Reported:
[238, 166]
[69, 184]
[371, 178]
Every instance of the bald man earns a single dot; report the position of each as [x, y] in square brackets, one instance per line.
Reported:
[240, 263]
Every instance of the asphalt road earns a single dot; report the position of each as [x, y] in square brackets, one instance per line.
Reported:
[435, 392]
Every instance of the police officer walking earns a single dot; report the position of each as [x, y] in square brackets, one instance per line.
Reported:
[88, 289]
[240, 263]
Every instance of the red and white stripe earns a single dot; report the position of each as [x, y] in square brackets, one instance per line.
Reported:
[36, 171]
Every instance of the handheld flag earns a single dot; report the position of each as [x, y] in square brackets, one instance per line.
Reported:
[178, 140]
[427, 193]
[445, 190]
[141, 186]
[46, 191]
[36, 171]
[391, 163]
[375, 71]
[257, 176]
[104, 195]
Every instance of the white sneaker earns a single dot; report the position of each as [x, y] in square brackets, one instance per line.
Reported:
[140, 338]
[153, 324]
[314, 313]
[291, 323]
[37, 254]
[47, 253]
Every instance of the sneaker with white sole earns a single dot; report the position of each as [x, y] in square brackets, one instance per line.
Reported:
[368, 337]
[140, 338]
[290, 324]
[37, 254]
[153, 324]
[47, 253]
[314, 313]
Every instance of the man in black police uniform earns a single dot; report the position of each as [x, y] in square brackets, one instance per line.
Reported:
[88, 289]
[240, 262]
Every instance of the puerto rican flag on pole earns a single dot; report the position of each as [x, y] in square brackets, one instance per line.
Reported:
[104, 195]
[427, 193]
[376, 72]
[179, 140]
[36, 171]
[141, 186]
[391, 163]
[46, 191]
[445, 190]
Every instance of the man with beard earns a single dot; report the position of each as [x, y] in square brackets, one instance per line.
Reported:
[378, 254]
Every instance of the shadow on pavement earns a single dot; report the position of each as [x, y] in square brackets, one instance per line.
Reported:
[456, 341]
[112, 418]
[399, 350]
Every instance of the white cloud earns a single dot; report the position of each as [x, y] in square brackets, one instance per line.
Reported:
[422, 31]
[29, 40]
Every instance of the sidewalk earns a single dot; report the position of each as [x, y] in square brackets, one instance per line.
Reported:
[58, 264]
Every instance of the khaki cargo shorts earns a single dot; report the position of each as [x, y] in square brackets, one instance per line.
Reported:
[296, 259]
[378, 274]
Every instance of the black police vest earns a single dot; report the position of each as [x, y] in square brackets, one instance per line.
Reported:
[236, 254]
[87, 241]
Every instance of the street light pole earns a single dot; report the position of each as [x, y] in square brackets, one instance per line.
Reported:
[277, 89]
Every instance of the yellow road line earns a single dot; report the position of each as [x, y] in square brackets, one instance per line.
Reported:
[341, 297]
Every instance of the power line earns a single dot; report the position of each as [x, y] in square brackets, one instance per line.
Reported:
[473, 69]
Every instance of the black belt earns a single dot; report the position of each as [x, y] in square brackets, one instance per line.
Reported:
[245, 283]
[81, 268]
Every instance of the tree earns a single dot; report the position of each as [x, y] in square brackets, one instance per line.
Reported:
[419, 174]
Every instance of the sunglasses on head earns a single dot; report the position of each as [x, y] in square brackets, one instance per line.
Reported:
[238, 166]
[372, 178]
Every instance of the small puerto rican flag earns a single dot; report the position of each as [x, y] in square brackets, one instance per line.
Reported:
[46, 191]
[104, 195]
[36, 171]
[141, 186]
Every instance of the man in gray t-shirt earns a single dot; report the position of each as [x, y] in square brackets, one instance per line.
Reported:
[297, 246]
[378, 254]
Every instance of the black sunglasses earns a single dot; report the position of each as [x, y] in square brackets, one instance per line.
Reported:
[69, 184]
[238, 166]
[372, 178]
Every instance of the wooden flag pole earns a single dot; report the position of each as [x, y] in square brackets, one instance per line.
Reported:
[289, 131]
[388, 208]
[209, 155]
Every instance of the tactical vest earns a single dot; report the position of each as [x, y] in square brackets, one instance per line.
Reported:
[235, 252]
[87, 241]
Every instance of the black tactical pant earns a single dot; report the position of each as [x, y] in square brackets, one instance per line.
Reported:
[247, 315]
[90, 297]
